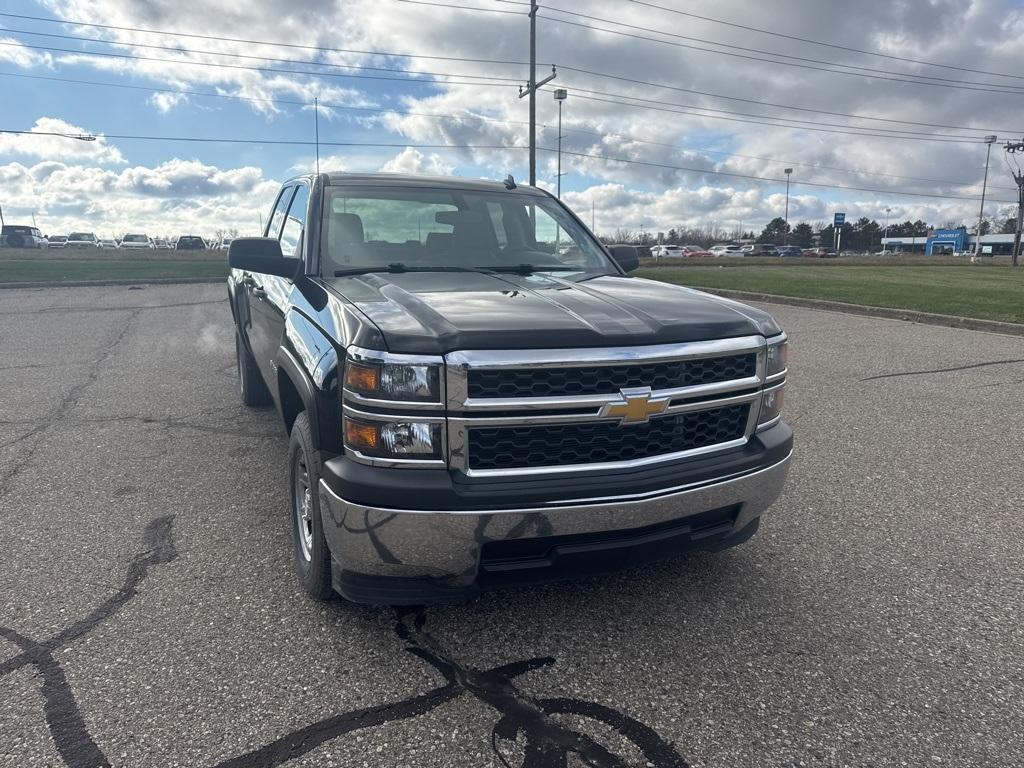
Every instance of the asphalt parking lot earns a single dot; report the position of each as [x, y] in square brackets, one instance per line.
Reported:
[149, 616]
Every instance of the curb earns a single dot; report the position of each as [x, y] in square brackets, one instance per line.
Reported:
[908, 315]
[101, 283]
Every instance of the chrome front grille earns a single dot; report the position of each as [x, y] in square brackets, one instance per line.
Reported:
[543, 411]
[603, 442]
[596, 380]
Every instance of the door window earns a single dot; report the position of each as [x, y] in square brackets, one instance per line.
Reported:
[294, 223]
[277, 217]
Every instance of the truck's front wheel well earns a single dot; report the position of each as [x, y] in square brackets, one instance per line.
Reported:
[291, 402]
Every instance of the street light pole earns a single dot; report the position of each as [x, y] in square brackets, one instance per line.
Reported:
[989, 141]
[885, 232]
[560, 95]
[785, 235]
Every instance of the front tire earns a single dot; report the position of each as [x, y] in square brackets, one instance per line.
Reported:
[250, 383]
[312, 557]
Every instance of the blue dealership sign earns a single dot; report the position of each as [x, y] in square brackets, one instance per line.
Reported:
[839, 220]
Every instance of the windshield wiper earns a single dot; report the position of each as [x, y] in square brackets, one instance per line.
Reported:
[398, 268]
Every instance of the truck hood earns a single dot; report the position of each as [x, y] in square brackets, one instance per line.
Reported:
[435, 313]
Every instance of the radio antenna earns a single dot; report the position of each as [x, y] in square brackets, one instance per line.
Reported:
[316, 125]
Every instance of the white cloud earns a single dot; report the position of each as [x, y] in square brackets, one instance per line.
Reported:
[14, 52]
[172, 197]
[38, 144]
[412, 161]
[165, 102]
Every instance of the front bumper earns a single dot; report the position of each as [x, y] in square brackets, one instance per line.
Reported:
[395, 556]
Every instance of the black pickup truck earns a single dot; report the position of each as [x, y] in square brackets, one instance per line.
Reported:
[478, 394]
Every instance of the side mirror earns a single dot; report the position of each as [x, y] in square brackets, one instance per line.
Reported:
[625, 256]
[263, 256]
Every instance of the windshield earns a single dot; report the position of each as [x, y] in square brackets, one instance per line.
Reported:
[135, 239]
[370, 227]
[81, 236]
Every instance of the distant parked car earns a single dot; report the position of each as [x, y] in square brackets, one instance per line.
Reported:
[57, 241]
[190, 243]
[695, 250]
[21, 236]
[759, 249]
[789, 250]
[225, 243]
[82, 240]
[136, 242]
[107, 244]
[726, 250]
[667, 252]
[820, 253]
[161, 244]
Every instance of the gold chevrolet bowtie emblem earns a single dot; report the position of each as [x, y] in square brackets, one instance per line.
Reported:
[635, 407]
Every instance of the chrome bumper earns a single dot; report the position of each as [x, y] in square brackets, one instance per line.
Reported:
[443, 547]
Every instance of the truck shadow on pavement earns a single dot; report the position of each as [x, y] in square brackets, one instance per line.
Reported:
[528, 730]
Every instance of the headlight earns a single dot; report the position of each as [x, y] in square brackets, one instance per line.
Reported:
[393, 439]
[393, 381]
[778, 354]
[771, 405]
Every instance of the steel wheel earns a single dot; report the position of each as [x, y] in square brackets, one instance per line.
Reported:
[302, 502]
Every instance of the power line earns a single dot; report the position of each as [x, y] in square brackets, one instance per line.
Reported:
[464, 117]
[791, 107]
[871, 70]
[179, 49]
[395, 145]
[289, 142]
[619, 99]
[1009, 90]
[275, 70]
[752, 177]
[813, 123]
[824, 44]
[223, 39]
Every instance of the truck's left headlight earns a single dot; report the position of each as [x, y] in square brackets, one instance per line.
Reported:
[394, 381]
[393, 439]
[778, 355]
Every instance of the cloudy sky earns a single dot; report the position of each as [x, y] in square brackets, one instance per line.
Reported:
[679, 113]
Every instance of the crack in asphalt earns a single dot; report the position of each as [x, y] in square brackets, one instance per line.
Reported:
[942, 370]
[547, 742]
[63, 717]
[67, 404]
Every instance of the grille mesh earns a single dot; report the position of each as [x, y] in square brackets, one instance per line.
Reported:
[603, 380]
[559, 444]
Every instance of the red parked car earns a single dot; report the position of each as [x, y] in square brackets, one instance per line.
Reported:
[820, 253]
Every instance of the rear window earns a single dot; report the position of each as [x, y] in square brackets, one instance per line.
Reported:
[191, 241]
[135, 239]
[81, 236]
[14, 229]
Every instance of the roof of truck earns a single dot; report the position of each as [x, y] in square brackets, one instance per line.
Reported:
[443, 182]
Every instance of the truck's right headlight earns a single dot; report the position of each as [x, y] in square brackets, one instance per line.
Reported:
[778, 355]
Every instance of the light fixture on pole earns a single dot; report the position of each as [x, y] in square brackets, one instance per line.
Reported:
[885, 232]
[989, 141]
[560, 95]
[785, 235]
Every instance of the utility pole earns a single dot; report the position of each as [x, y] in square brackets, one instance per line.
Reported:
[885, 234]
[785, 235]
[316, 128]
[1018, 176]
[531, 90]
[989, 141]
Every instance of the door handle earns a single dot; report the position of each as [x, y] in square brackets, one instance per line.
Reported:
[258, 292]
[248, 280]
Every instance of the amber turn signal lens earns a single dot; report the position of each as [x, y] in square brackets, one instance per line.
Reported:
[361, 437]
[362, 378]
